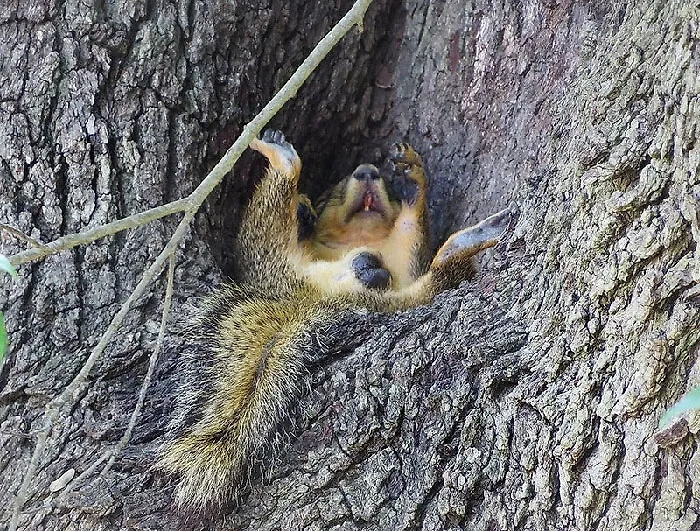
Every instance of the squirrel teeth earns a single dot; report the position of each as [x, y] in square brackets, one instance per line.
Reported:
[261, 336]
[368, 201]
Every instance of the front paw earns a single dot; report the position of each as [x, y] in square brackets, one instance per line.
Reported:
[273, 136]
[280, 153]
[407, 176]
[402, 153]
[369, 271]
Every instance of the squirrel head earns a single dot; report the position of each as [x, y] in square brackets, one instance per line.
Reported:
[360, 207]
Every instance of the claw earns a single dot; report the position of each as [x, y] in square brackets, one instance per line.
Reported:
[403, 153]
[280, 153]
[273, 136]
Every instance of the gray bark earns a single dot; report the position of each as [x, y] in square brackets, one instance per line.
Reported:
[528, 399]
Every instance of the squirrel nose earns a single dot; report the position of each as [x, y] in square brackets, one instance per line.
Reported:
[366, 172]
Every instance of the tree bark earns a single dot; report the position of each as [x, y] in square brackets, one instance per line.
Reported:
[528, 399]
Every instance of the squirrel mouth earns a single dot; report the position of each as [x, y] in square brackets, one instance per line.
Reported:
[366, 203]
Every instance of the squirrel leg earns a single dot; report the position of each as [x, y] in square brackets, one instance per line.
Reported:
[283, 158]
[407, 246]
[468, 242]
[269, 233]
[281, 154]
[452, 264]
[408, 177]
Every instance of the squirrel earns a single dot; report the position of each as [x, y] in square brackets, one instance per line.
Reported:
[362, 246]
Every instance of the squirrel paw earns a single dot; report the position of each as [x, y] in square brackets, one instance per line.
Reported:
[403, 155]
[273, 136]
[368, 270]
[471, 240]
[407, 176]
[281, 154]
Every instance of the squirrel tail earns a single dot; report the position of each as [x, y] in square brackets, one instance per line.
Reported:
[243, 379]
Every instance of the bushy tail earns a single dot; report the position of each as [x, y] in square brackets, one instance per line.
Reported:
[240, 392]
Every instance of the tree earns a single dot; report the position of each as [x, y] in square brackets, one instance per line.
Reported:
[529, 399]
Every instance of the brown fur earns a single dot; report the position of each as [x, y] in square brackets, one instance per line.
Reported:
[252, 342]
[396, 230]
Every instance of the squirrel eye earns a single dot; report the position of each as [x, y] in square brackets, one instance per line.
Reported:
[320, 204]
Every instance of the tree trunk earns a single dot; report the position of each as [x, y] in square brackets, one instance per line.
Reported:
[528, 399]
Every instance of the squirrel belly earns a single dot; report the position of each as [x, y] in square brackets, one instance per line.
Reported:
[251, 345]
[381, 212]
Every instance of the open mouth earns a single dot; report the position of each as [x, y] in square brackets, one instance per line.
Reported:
[366, 203]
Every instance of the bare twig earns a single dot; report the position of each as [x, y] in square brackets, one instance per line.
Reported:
[151, 367]
[89, 236]
[76, 482]
[72, 392]
[112, 453]
[20, 235]
[250, 131]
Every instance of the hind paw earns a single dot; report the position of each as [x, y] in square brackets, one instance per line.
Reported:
[469, 241]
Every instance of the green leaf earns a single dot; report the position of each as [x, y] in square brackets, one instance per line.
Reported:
[687, 403]
[7, 267]
[3, 337]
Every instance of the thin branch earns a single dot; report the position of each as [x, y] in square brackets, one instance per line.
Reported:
[20, 235]
[151, 367]
[286, 93]
[73, 240]
[250, 131]
[112, 453]
[72, 392]
[86, 473]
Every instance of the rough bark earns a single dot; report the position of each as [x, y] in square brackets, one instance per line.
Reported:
[525, 400]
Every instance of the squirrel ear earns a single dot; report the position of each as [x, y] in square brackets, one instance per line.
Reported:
[469, 241]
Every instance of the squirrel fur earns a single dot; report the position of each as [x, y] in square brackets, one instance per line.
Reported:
[363, 246]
